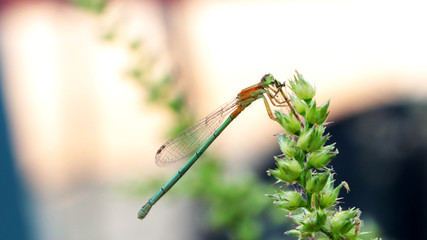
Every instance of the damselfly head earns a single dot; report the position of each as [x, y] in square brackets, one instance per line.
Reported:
[268, 80]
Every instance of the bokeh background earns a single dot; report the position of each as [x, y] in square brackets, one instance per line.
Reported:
[77, 125]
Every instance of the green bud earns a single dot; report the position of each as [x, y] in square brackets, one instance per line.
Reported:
[289, 123]
[294, 233]
[354, 232]
[310, 116]
[309, 226]
[289, 200]
[288, 170]
[314, 221]
[286, 145]
[289, 149]
[299, 105]
[305, 139]
[312, 139]
[343, 221]
[317, 115]
[321, 217]
[328, 197]
[278, 173]
[315, 184]
[301, 87]
[320, 158]
[329, 147]
[322, 112]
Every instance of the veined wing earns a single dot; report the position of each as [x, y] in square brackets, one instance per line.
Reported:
[191, 139]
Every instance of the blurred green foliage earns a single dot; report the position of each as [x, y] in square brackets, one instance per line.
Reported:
[235, 205]
[96, 6]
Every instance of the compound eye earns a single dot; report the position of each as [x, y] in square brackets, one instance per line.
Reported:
[265, 78]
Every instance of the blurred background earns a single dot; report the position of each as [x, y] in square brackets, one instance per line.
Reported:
[90, 89]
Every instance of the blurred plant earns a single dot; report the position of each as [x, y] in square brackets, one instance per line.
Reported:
[96, 6]
[235, 206]
[312, 201]
[162, 91]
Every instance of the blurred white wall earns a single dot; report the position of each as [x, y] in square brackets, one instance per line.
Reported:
[360, 54]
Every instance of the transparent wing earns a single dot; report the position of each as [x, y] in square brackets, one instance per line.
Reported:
[191, 139]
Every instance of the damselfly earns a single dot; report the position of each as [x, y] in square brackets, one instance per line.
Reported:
[196, 139]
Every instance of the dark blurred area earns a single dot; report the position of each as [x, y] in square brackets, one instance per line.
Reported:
[13, 221]
[383, 156]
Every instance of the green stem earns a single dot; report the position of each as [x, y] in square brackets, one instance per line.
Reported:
[327, 233]
[309, 197]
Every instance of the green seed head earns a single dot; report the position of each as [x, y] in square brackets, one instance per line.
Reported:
[317, 115]
[311, 113]
[289, 149]
[329, 196]
[320, 158]
[312, 139]
[314, 221]
[299, 105]
[288, 170]
[289, 200]
[316, 183]
[322, 113]
[301, 87]
[289, 123]
[343, 221]
[287, 145]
